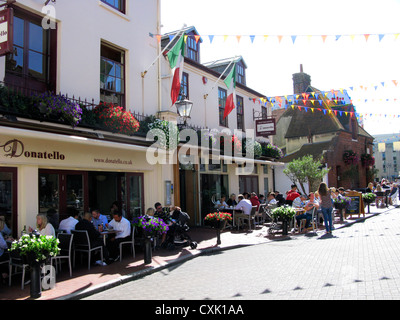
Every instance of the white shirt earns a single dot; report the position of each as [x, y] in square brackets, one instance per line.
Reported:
[244, 205]
[297, 203]
[222, 205]
[124, 226]
[48, 231]
[68, 224]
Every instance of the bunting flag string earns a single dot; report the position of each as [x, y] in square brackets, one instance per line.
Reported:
[264, 37]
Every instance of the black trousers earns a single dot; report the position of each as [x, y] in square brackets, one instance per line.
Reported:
[113, 245]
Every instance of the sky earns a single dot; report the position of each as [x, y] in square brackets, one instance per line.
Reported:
[364, 66]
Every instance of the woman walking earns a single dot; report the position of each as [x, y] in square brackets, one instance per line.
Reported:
[326, 205]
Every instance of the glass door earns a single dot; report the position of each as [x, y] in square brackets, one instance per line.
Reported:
[8, 198]
[135, 197]
[61, 192]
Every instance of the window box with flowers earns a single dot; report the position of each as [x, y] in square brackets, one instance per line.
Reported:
[367, 160]
[350, 157]
[271, 151]
[58, 107]
[116, 119]
[234, 141]
[165, 134]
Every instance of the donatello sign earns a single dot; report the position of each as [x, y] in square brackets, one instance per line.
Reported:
[15, 148]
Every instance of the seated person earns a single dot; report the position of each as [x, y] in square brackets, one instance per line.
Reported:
[98, 219]
[165, 215]
[262, 199]
[69, 223]
[43, 226]
[3, 257]
[94, 235]
[4, 229]
[291, 194]
[150, 212]
[271, 199]
[118, 223]
[244, 205]
[221, 204]
[299, 201]
[254, 200]
[308, 207]
[231, 202]
[279, 197]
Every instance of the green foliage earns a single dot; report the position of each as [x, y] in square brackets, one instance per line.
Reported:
[304, 170]
[283, 212]
[40, 247]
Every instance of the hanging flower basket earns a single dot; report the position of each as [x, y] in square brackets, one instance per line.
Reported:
[367, 160]
[271, 151]
[165, 133]
[350, 157]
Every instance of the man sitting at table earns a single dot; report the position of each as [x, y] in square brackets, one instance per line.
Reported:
[244, 205]
[271, 199]
[98, 219]
[299, 201]
[121, 224]
[308, 208]
[94, 235]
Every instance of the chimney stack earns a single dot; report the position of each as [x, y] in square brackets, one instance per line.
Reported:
[301, 81]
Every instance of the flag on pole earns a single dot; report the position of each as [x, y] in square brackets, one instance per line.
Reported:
[230, 82]
[176, 59]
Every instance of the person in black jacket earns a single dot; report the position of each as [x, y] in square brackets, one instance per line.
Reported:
[94, 235]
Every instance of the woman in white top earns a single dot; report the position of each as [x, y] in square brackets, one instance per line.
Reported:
[43, 226]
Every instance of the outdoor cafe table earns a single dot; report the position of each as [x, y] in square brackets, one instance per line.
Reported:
[106, 232]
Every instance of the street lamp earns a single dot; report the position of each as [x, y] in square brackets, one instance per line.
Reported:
[184, 108]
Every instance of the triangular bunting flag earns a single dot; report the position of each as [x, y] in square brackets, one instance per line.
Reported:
[381, 37]
[323, 38]
[225, 37]
[294, 38]
[280, 38]
[196, 37]
[211, 37]
[238, 38]
[366, 36]
[252, 38]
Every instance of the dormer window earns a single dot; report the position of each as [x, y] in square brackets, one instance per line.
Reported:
[192, 48]
[240, 74]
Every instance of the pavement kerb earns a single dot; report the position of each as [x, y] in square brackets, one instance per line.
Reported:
[207, 251]
[142, 273]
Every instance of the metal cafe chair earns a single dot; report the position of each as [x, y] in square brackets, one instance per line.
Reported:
[65, 245]
[16, 262]
[131, 242]
[82, 244]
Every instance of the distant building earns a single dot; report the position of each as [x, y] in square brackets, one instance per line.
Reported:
[387, 152]
[323, 124]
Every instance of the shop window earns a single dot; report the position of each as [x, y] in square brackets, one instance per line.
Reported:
[112, 75]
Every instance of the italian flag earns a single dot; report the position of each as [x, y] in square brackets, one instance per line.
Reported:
[230, 82]
[176, 58]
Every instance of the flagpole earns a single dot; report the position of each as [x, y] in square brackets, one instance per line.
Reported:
[180, 34]
[234, 60]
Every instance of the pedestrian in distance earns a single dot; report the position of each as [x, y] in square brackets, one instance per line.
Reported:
[326, 195]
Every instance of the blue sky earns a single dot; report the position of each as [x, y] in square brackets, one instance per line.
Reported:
[350, 61]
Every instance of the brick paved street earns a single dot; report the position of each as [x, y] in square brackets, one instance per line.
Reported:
[357, 262]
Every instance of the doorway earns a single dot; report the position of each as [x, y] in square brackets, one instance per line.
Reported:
[8, 198]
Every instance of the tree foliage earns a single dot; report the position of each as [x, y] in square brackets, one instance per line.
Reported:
[305, 170]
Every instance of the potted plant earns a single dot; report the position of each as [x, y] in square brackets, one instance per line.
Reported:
[116, 119]
[369, 198]
[149, 227]
[35, 249]
[285, 214]
[341, 202]
[217, 220]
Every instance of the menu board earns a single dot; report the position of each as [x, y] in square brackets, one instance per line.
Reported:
[357, 204]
